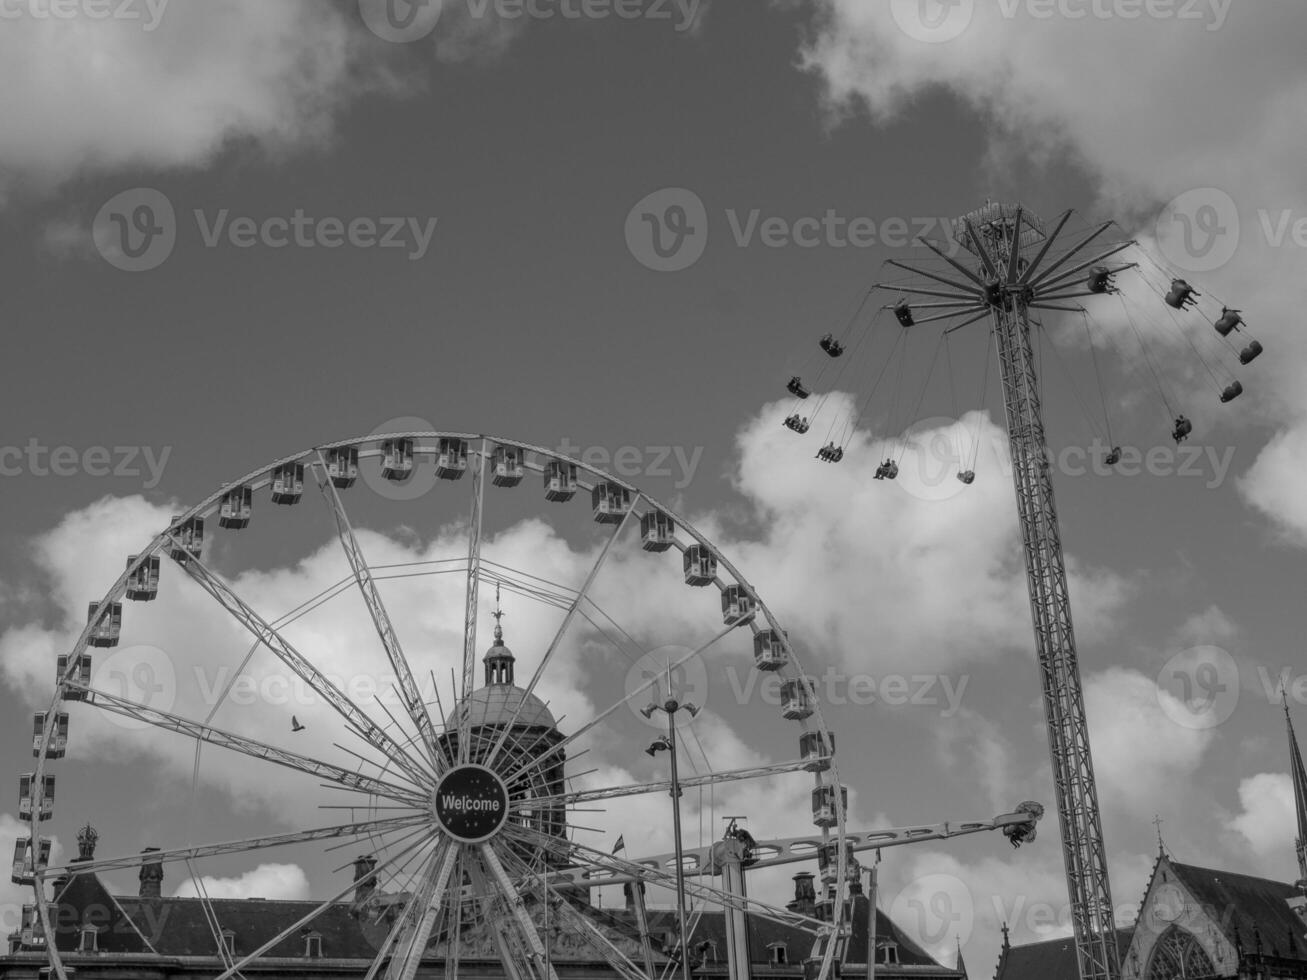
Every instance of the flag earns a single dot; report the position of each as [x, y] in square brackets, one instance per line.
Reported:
[621, 843]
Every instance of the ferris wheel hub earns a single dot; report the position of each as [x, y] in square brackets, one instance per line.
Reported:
[470, 804]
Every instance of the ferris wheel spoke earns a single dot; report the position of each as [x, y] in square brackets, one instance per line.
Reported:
[408, 689]
[470, 598]
[402, 921]
[663, 785]
[535, 949]
[454, 942]
[357, 829]
[414, 943]
[294, 927]
[265, 633]
[556, 642]
[253, 748]
[569, 739]
[618, 960]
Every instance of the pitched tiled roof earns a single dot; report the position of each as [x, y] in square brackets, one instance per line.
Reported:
[178, 926]
[82, 899]
[1053, 959]
[764, 933]
[1248, 903]
[175, 927]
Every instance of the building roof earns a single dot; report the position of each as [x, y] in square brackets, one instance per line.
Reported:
[1049, 960]
[1253, 906]
[179, 927]
[498, 703]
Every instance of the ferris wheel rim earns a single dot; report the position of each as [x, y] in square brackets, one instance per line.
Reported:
[369, 447]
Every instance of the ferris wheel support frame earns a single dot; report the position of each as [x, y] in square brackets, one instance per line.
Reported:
[412, 764]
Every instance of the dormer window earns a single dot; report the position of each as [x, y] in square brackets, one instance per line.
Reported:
[777, 954]
[313, 945]
[229, 942]
[887, 952]
[89, 940]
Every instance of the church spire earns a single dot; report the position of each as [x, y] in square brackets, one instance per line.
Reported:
[1299, 795]
[1161, 845]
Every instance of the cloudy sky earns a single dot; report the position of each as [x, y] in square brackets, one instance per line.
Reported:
[234, 230]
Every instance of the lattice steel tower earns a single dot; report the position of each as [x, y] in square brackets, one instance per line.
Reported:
[1009, 282]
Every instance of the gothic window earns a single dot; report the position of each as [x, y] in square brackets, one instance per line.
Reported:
[1178, 956]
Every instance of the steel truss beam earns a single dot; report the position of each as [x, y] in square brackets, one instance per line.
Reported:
[251, 747]
[1012, 295]
[367, 729]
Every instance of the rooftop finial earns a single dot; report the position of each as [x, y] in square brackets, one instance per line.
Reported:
[498, 614]
[86, 840]
[1161, 847]
[498, 659]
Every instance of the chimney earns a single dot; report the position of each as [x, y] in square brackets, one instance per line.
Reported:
[363, 865]
[151, 875]
[805, 895]
[628, 891]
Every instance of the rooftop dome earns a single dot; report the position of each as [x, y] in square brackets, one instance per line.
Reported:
[497, 705]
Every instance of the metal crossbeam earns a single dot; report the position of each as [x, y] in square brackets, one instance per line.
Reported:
[664, 785]
[791, 850]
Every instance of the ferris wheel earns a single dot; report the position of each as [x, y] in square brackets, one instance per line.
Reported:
[466, 793]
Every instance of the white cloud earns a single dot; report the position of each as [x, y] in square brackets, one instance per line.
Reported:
[105, 95]
[272, 881]
[976, 750]
[1124, 712]
[917, 572]
[1266, 820]
[1273, 484]
[1211, 626]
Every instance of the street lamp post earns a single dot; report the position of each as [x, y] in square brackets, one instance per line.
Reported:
[668, 742]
